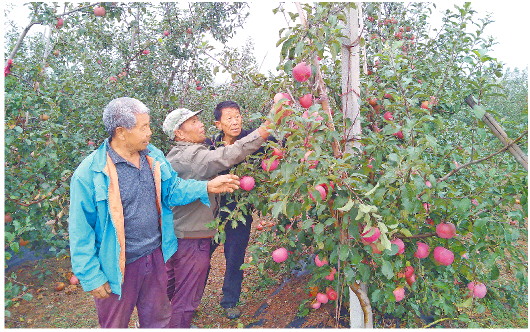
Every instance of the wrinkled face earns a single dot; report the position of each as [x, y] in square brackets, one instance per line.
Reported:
[230, 123]
[138, 137]
[192, 130]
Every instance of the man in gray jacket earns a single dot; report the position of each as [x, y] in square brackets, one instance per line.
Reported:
[187, 269]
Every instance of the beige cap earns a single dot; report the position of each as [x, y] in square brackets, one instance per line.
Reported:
[175, 119]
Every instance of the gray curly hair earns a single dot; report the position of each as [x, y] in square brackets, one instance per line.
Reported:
[120, 113]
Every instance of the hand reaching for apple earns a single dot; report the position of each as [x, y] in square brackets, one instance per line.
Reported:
[223, 183]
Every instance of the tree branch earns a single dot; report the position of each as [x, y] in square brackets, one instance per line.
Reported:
[481, 159]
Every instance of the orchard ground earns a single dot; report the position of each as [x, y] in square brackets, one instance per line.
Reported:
[267, 302]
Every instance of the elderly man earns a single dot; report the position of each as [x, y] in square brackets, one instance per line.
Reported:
[121, 225]
[192, 159]
[228, 120]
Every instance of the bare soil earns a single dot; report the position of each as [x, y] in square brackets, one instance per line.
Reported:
[269, 306]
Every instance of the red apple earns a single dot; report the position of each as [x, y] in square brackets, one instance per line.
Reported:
[189, 31]
[371, 235]
[8, 218]
[446, 230]
[282, 95]
[113, 79]
[99, 11]
[388, 116]
[478, 290]
[399, 293]
[247, 183]
[279, 255]
[410, 280]
[319, 262]
[422, 251]
[145, 52]
[268, 165]
[428, 184]
[372, 101]
[400, 244]
[166, 33]
[277, 152]
[74, 280]
[322, 298]
[322, 192]
[306, 100]
[302, 72]
[399, 134]
[425, 105]
[443, 256]
[59, 23]
[331, 275]
[198, 88]
[427, 207]
[316, 305]
[409, 271]
[331, 293]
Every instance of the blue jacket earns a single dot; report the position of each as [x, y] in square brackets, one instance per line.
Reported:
[96, 224]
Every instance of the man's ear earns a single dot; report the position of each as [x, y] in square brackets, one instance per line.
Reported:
[217, 124]
[179, 135]
[118, 133]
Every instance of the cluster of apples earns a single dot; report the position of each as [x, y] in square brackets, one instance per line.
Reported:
[442, 256]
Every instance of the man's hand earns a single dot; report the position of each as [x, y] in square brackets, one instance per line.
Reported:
[102, 292]
[278, 108]
[223, 183]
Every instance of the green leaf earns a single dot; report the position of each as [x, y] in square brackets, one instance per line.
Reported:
[479, 111]
[466, 304]
[386, 269]
[348, 206]
[319, 229]
[405, 232]
[494, 273]
[277, 208]
[371, 191]
[344, 253]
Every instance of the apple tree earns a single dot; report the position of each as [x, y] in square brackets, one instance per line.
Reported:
[419, 206]
[58, 80]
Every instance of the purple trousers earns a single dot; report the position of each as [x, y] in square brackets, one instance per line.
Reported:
[187, 270]
[144, 287]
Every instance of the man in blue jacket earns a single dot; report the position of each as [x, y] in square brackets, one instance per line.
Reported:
[120, 223]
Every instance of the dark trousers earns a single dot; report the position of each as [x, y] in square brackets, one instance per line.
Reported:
[144, 287]
[235, 247]
[187, 271]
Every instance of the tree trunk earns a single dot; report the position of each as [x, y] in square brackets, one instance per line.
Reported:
[497, 130]
[360, 308]
[351, 77]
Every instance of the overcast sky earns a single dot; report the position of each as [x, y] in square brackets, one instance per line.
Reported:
[510, 29]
